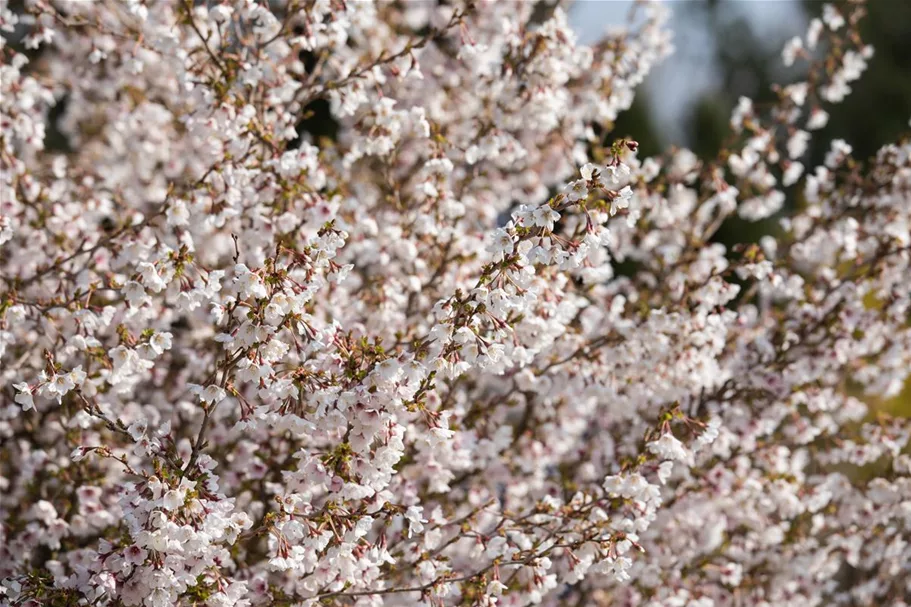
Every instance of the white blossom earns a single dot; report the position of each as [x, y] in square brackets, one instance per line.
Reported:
[413, 355]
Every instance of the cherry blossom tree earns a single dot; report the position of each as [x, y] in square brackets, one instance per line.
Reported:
[462, 352]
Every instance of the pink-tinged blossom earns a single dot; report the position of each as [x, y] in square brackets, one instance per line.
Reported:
[403, 361]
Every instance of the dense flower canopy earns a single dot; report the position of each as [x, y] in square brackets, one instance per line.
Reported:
[467, 348]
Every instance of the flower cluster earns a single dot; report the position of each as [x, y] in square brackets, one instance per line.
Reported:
[462, 350]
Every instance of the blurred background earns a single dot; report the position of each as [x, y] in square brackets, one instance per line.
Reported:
[728, 48]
